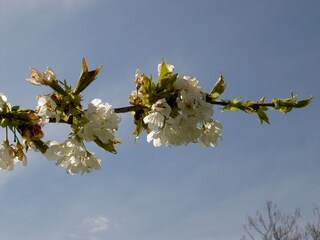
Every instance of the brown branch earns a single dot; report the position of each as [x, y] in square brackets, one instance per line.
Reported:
[254, 105]
[133, 108]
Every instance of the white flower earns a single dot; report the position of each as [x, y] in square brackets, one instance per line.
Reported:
[41, 78]
[162, 107]
[186, 83]
[101, 123]
[154, 120]
[211, 134]
[191, 99]
[158, 137]
[53, 149]
[185, 129]
[187, 103]
[102, 112]
[160, 111]
[7, 156]
[192, 103]
[176, 131]
[88, 131]
[46, 109]
[73, 156]
[204, 111]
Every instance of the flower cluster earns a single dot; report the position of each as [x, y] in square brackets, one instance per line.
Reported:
[10, 155]
[182, 117]
[73, 156]
[100, 122]
[97, 123]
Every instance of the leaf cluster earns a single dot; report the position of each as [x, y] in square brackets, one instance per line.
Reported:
[259, 108]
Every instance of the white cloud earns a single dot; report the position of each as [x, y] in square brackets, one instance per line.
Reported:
[96, 224]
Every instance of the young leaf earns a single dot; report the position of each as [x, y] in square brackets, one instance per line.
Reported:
[15, 108]
[262, 116]
[109, 147]
[218, 88]
[86, 77]
[166, 79]
[303, 103]
[163, 70]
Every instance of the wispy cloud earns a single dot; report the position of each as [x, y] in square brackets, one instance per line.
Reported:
[90, 228]
[96, 224]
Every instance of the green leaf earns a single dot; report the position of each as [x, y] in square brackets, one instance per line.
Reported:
[40, 145]
[218, 88]
[226, 108]
[166, 83]
[214, 95]
[287, 104]
[15, 108]
[262, 100]
[166, 78]
[233, 109]
[109, 147]
[56, 87]
[303, 103]
[231, 106]
[236, 100]
[262, 116]
[86, 77]
[163, 70]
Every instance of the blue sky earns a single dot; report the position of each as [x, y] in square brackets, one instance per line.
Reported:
[263, 48]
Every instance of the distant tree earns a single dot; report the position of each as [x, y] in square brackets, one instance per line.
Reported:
[312, 230]
[278, 226]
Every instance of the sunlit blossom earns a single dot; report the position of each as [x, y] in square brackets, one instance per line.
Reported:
[41, 78]
[154, 120]
[73, 156]
[47, 109]
[211, 134]
[162, 107]
[186, 120]
[160, 111]
[10, 155]
[186, 83]
[101, 122]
